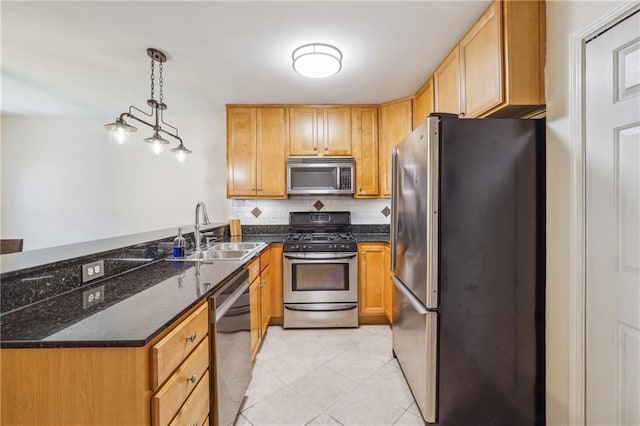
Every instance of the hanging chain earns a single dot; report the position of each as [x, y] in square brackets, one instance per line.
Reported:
[161, 94]
[153, 77]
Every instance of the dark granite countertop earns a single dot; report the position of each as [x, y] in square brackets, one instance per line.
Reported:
[137, 306]
[372, 238]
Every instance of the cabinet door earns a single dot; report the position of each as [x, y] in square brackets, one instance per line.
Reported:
[481, 63]
[271, 153]
[371, 279]
[304, 128]
[395, 124]
[337, 131]
[254, 306]
[265, 299]
[241, 152]
[364, 139]
[423, 103]
[276, 281]
[446, 82]
[388, 285]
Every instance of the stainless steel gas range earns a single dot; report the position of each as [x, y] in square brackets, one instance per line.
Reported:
[320, 271]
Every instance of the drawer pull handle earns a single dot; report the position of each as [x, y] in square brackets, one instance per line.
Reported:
[192, 338]
[192, 378]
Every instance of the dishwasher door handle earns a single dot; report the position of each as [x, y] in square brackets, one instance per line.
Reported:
[222, 309]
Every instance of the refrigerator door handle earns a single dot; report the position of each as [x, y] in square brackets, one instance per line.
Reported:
[415, 302]
[394, 195]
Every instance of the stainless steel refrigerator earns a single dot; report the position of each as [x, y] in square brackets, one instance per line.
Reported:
[467, 262]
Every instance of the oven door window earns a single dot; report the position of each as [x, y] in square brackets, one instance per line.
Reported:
[320, 277]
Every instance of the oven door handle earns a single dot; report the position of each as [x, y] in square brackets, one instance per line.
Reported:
[320, 256]
[310, 308]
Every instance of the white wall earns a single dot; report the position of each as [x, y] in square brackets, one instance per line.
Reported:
[274, 212]
[563, 18]
[63, 182]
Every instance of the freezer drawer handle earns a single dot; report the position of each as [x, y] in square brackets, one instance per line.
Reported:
[415, 302]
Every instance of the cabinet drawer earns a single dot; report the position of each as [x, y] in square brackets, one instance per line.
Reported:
[265, 257]
[166, 402]
[196, 406]
[254, 269]
[169, 352]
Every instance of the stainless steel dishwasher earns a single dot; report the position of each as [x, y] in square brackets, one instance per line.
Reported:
[230, 322]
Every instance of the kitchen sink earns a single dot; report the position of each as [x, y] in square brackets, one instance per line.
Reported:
[222, 251]
[236, 246]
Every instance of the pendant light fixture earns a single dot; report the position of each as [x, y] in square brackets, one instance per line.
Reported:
[317, 60]
[120, 131]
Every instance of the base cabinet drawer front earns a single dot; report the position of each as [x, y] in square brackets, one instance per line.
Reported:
[168, 353]
[196, 407]
[254, 269]
[168, 400]
[265, 258]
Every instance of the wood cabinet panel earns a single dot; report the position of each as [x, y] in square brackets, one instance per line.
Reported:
[170, 397]
[196, 407]
[423, 102]
[271, 152]
[241, 152]
[169, 352]
[254, 306]
[337, 130]
[481, 63]
[446, 82]
[388, 285]
[276, 282]
[371, 272]
[364, 141]
[304, 126]
[265, 300]
[395, 124]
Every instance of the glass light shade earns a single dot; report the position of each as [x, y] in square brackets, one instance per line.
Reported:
[317, 60]
[181, 152]
[119, 131]
[157, 142]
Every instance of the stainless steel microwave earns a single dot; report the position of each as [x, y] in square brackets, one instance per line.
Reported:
[320, 176]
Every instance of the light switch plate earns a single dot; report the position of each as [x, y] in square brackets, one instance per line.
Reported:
[93, 270]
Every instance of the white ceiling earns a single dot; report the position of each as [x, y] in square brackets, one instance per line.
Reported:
[88, 58]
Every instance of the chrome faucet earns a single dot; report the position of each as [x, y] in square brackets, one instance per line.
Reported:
[196, 233]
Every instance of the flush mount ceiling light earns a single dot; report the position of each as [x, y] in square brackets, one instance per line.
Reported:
[317, 60]
[120, 131]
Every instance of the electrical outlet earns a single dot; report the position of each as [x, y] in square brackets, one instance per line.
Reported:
[93, 270]
[92, 297]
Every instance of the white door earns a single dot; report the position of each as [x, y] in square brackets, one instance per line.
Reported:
[613, 225]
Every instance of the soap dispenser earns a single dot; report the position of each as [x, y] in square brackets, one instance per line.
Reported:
[179, 245]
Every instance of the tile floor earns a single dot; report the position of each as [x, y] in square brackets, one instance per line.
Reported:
[328, 377]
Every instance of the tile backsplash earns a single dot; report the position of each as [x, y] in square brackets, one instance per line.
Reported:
[270, 212]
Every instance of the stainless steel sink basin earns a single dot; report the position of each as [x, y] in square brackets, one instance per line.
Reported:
[235, 246]
[223, 251]
[219, 254]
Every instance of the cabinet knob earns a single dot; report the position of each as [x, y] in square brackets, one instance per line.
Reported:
[192, 378]
[192, 338]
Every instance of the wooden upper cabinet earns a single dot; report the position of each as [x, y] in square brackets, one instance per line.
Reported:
[502, 61]
[303, 130]
[446, 82]
[320, 131]
[256, 142]
[481, 63]
[423, 102]
[241, 152]
[395, 124]
[271, 148]
[364, 141]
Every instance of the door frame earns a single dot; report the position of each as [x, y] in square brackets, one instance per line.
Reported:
[577, 208]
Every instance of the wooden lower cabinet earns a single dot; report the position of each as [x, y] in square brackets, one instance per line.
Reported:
[103, 386]
[388, 285]
[277, 304]
[255, 305]
[371, 281]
